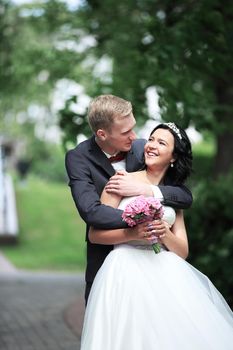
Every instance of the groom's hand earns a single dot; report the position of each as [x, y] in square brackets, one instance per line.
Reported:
[124, 184]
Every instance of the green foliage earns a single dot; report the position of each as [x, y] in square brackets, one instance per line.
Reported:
[31, 60]
[72, 123]
[210, 229]
[44, 159]
[52, 236]
[49, 164]
[205, 147]
[203, 160]
[183, 48]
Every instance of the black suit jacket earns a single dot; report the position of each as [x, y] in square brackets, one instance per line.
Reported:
[89, 170]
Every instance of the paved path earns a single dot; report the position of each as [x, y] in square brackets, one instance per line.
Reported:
[40, 311]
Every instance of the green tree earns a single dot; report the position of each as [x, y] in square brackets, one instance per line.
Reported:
[184, 48]
[34, 53]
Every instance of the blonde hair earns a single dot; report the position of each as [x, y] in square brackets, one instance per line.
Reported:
[104, 109]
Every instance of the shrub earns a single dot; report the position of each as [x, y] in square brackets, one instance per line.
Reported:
[210, 230]
[52, 166]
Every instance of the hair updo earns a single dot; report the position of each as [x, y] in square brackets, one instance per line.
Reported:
[182, 153]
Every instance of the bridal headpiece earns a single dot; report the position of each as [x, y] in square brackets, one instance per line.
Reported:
[173, 127]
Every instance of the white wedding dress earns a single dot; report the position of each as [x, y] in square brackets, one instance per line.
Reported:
[146, 301]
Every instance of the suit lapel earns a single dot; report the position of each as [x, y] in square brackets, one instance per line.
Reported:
[99, 158]
[129, 161]
[132, 162]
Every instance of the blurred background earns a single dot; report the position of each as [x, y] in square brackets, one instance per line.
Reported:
[172, 60]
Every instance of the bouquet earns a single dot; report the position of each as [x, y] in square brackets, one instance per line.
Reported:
[143, 209]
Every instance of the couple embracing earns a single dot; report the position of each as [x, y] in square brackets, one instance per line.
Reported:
[139, 299]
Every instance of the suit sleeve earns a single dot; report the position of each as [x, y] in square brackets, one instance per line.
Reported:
[86, 198]
[179, 197]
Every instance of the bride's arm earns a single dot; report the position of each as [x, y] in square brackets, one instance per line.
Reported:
[116, 236]
[111, 199]
[177, 240]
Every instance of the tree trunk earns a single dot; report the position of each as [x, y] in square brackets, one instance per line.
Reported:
[224, 156]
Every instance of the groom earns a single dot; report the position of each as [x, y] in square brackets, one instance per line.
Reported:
[93, 162]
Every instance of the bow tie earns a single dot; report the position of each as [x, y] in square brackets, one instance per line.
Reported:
[118, 157]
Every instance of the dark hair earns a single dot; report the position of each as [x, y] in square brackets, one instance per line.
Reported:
[182, 152]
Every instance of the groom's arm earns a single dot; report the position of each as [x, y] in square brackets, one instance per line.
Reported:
[86, 197]
[124, 184]
[178, 197]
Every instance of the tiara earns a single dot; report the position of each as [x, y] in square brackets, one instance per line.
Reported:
[173, 127]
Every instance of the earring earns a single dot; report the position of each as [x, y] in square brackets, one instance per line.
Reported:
[172, 165]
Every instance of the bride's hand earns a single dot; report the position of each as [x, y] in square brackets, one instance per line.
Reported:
[140, 232]
[159, 229]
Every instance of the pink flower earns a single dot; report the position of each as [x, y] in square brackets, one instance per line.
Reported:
[143, 209]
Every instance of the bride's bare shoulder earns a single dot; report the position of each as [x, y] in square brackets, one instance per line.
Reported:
[139, 175]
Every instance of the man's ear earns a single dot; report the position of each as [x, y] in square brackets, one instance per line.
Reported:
[101, 134]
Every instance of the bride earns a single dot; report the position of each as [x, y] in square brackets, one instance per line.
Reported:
[146, 301]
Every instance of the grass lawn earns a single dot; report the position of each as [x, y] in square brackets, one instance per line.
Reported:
[52, 235]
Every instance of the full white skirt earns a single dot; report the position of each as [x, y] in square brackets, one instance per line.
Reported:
[146, 301]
